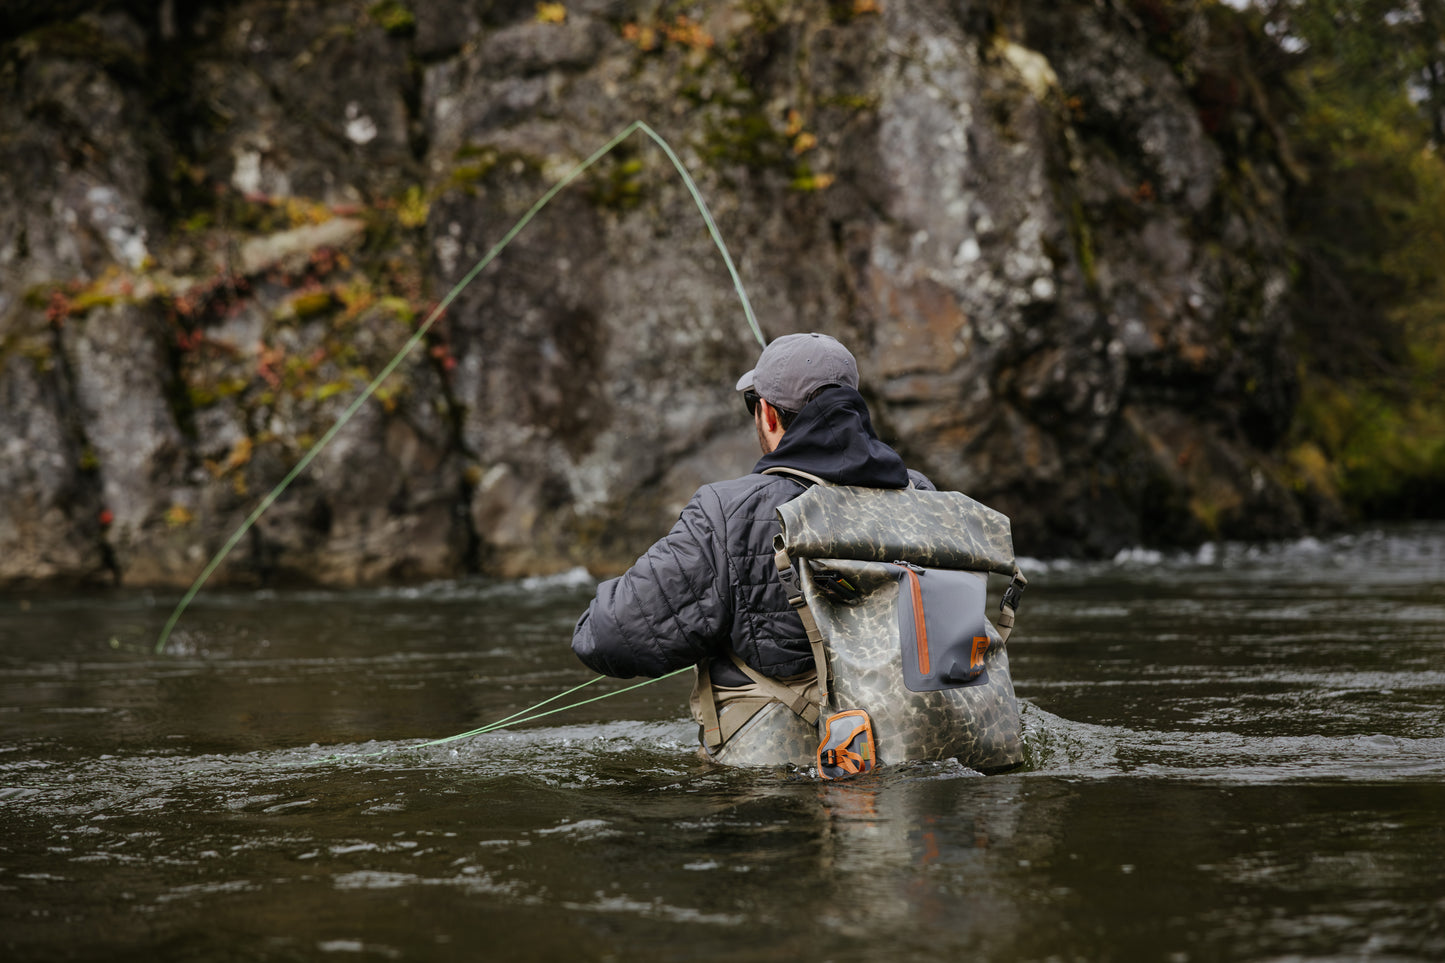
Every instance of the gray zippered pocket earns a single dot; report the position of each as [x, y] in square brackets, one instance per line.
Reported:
[942, 627]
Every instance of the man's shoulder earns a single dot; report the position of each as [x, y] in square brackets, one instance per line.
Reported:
[747, 491]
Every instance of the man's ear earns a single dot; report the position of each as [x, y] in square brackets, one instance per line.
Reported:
[770, 416]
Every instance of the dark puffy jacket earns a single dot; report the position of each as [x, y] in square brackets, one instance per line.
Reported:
[710, 583]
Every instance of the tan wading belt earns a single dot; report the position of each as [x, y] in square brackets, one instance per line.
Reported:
[796, 697]
[709, 701]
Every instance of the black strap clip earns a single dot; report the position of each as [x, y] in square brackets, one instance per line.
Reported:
[1014, 594]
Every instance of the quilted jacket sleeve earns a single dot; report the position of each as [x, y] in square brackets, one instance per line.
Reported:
[670, 610]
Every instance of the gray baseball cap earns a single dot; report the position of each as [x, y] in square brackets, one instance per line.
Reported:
[794, 366]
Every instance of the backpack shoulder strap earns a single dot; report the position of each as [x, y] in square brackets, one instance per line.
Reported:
[797, 473]
[792, 586]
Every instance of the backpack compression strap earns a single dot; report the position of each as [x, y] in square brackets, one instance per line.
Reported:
[1009, 605]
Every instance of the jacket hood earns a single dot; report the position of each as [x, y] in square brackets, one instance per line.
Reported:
[833, 438]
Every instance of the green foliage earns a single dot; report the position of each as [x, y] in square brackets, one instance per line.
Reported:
[1369, 227]
[1380, 51]
[1385, 453]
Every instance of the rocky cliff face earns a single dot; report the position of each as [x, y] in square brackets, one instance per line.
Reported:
[1051, 234]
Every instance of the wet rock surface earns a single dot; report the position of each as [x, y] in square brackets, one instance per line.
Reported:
[1063, 277]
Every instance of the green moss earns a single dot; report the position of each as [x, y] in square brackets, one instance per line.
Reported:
[394, 17]
[475, 163]
[749, 138]
[850, 102]
[36, 348]
[205, 395]
[805, 180]
[330, 389]
[478, 163]
[201, 396]
[87, 300]
[38, 296]
[312, 304]
[200, 221]
[619, 186]
[399, 308]
[254, 216]
[413, 208]
[746, 139]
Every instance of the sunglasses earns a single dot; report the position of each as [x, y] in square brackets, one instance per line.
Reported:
[751, 399]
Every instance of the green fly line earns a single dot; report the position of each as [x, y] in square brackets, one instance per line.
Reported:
[436, 312]
[517, 718]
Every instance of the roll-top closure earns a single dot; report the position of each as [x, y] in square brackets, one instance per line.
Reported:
[935, 529]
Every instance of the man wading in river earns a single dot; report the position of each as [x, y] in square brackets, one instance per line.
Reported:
[708, 591]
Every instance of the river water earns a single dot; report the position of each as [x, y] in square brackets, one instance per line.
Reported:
[1234, 755]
